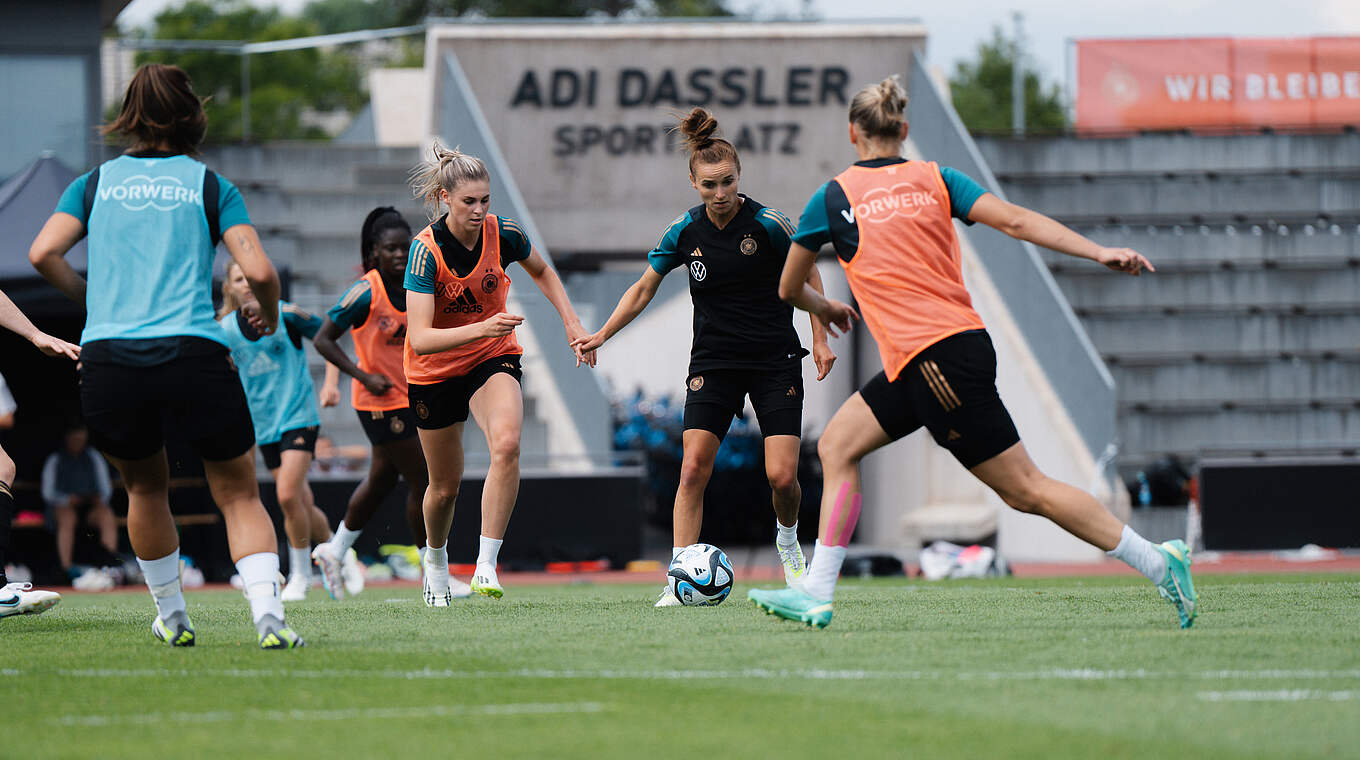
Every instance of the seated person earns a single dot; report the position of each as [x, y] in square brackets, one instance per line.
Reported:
[75, 485]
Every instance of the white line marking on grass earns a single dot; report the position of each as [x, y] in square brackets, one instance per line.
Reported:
[1058, 674]
[1283, 695]
[356, 713]
[399, 600]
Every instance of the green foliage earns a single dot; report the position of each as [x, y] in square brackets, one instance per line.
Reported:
[981, 90]
[283, 85]
[286, 86]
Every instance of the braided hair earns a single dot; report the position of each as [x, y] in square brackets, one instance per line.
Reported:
[378, 221]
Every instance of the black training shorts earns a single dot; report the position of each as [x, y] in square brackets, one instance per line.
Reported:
[442, 404]
[950, 388]
[297, 439]
[714, 397]
[129, 408]
[388, 426]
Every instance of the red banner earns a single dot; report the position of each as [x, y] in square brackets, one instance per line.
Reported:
[1218, 82]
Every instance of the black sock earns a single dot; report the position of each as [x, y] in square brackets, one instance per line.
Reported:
[6, 517]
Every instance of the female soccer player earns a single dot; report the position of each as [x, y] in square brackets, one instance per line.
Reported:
[22, 598]
[283, 408]
[744, 341]
[374, 309]
[902, 260]
[461, 355]
[151, 353]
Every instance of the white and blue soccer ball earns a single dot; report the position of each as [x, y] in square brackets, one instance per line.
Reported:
[700, 575]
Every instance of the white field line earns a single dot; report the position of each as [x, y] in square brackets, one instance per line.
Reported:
[1282, 695]
[357, 713]
[1061, 674]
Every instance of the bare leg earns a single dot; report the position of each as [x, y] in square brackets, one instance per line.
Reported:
[233, 487]
[781, 468]
[102, 518]
[444, 457]
[376, 485]
[498, 409]
[852, 434]
[701, 448]
[290, 484]
[1022, 486]
[65, 518]
[151, 527]
[409, 460]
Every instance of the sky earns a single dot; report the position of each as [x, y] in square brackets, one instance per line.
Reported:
[956, 27]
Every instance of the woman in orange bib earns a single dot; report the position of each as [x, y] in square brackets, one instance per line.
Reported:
[890, 222]
[461, 356]
[374, 311]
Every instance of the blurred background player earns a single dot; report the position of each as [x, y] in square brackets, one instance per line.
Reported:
[283, 407]
[939, 367]
[461, 355]
[374, 310]
[75, 485]
[744, 340]
[151, 352]
[21, 598]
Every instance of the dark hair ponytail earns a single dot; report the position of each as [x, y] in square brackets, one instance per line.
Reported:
[160, 108]
[699, 130]
[378, 221]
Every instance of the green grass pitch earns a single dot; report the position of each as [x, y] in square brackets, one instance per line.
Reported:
[1052, 668]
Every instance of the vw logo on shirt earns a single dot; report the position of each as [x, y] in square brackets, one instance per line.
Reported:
[697, 271]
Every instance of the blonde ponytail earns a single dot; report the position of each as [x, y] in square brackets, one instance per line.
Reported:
[449, 169]
[878, 109]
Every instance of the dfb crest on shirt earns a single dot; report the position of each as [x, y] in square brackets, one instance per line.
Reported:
[748, 245]
[490, 282]
[697, 271]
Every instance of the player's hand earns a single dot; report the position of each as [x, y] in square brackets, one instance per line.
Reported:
[823, 357]
[575, 334]
[589, 343]
[1125, 260]
[500, 325]
[838, 315]
[256, 318]
[54, 346]
[376, 384]
[329, 396]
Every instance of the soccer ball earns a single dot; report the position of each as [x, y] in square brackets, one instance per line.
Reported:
[700, 575]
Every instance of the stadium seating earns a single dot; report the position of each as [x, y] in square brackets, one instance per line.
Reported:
[1246, 335]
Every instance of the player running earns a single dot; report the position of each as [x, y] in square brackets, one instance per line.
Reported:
[374, 310]
[744, 340]
[151, 353]
[461, 355]
[283, 407]
[902, 260]
[22, 598]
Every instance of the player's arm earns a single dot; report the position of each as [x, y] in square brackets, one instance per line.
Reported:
[822, 355]
[795, 289]
[243, 244]
[630, 305]
[427, 339]
[327, 344]
[1025, 224]
[545, 277]
[14, 320]
[48, 254]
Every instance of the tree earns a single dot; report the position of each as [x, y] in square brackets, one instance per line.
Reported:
[284, 86]
[981, 90]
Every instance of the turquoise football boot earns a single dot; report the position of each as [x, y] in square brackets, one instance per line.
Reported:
[1177, 586]
[792, 604]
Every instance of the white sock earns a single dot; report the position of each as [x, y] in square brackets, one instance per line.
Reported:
[299, 562]
[421, 551]
[260, 578]
[489, 549]
[820, 580]
[1140, 554]
[437, 557]
[162, 577]
[344, 539]
[787, 534]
